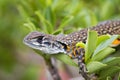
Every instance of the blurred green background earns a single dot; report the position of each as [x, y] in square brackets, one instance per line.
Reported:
[19, 17]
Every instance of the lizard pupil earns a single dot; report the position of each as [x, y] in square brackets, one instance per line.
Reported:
[39, 40]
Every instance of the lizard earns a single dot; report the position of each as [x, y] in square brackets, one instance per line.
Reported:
[54, 44]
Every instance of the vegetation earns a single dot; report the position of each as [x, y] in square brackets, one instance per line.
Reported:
[18, 18]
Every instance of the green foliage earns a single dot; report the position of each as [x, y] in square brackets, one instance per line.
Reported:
[65, 58]
[99, 55]
[9, 23]
[94, 66]
[105, 44]
[90, 46]
[99, 61]
[81, 44]
[103, 53]
[54, 17]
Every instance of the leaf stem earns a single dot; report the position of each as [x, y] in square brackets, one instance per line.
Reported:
[52, 69]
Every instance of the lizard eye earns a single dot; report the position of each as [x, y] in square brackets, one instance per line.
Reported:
[39, 40]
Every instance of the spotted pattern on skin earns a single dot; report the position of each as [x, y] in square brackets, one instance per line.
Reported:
[106, 27]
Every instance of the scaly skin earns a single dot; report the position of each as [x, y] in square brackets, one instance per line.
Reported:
[107, 27]
[51, 44]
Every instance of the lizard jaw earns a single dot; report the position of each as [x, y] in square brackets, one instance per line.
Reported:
[44, 48]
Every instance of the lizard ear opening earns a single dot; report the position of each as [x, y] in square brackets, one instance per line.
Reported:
[39, 40]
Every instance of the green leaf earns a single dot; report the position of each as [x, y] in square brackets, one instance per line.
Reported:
[93, 18]
[102, 54]
[39, 52]
[25, 9]
[90, 44]
[108, 4]
[80, 44]
[112, 61]
[109, 78]
[58, 31]
[22, 12]
[105, 44]
[46, 25]
[50, 17]
[48, 2]
[65, 58]
[108, 72]
[95, 66]
[30, 25]
[102, 38]
[65, 21]
[119, 76]
[86, 18]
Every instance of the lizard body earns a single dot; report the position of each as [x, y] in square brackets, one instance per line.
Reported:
[52, 44]
[61, 43]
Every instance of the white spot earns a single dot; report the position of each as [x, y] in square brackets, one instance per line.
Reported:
[36, 43]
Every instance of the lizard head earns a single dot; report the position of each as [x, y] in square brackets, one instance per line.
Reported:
[45, 43]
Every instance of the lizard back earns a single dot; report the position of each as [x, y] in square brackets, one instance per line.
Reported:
[106, 27]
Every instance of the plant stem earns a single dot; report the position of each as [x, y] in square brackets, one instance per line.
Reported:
[52, 69]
